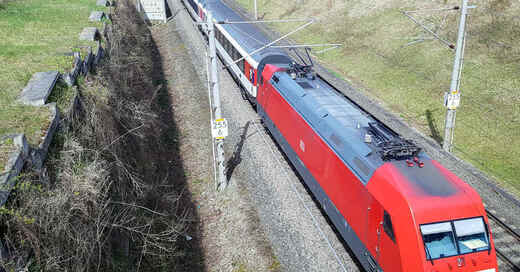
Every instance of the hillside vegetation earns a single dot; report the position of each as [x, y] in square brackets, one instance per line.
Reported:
[38, 36]
[394, 61]
[112, 195]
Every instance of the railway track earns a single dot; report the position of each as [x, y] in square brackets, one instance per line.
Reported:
[507, 243]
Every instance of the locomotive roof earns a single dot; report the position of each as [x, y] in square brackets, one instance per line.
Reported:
[343, 125]
[248, 36]
[333, 117]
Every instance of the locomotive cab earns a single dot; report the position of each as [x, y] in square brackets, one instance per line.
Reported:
[458, 245]
[439, 222]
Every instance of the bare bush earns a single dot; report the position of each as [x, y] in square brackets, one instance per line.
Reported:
[113, 203]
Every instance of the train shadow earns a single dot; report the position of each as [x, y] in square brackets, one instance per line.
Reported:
[236, 158]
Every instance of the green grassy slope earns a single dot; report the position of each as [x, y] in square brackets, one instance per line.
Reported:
[412, 78]
[36, 35]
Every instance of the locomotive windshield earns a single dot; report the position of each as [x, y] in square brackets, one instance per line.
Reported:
[452, 238]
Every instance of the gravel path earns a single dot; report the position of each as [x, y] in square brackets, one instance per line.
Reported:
[300, 236]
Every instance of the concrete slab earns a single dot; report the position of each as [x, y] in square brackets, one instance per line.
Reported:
[99, 55]
[39, 88]
[13, 166]
[38, 155]
[89, 34]
[87, 63]
[70, 77]
[104, 29]
[96, 16]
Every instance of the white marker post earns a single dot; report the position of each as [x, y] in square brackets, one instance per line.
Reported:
[219, 128]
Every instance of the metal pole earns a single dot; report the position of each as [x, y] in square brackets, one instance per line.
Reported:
[221, 182]
[256, 12]
[453, 97]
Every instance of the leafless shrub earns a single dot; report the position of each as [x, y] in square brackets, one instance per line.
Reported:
[113, 202]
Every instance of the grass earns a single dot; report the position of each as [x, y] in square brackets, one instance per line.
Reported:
[37, 35]
[411, 79]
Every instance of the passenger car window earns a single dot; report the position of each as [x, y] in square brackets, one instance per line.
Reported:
[439, 240]
[471, 235]
[387, 226]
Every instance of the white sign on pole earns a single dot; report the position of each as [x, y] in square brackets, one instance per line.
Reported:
[452, 99]
[154, 9]
[219, 129]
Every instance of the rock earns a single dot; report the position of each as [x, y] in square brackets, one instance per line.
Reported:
[96, 16]
[89, 34]
[13, 166]
[104, 3]
[39, 88]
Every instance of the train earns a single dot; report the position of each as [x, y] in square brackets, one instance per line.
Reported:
[395, 207]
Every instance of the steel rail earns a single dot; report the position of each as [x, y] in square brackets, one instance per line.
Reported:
[500, 254]
[503, 225]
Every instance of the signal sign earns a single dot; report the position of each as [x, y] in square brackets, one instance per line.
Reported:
[452, 99]
[219, 129]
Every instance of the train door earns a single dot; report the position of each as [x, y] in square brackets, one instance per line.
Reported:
[374, 231]
[389, 256]
[252, 75]
[381, 240]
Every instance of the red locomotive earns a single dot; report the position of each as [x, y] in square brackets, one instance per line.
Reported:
[397, 209]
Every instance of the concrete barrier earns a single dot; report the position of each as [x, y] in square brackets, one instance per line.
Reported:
[14, 165]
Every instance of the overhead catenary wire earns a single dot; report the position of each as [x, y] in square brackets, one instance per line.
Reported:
[447, 43]
[273, 42]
